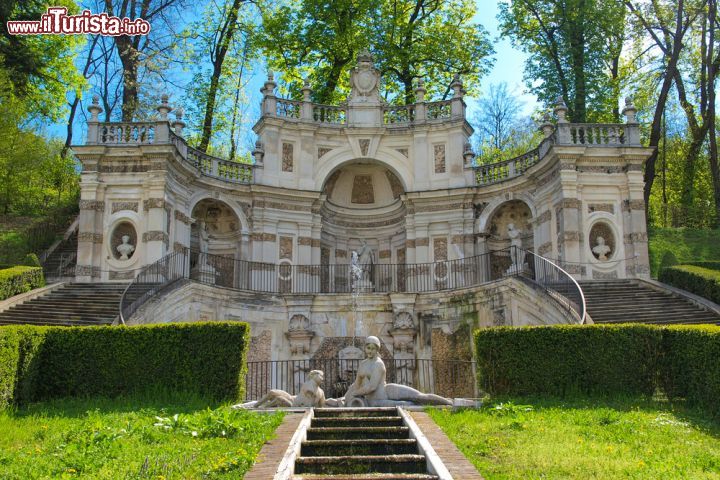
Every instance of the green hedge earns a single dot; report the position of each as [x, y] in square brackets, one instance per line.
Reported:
[20, 279]
[690, 365]
[38, 363]
[566, 359]
[712, 265]
[698, 280]
[681, 361]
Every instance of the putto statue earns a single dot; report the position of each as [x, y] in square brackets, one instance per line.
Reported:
[370, 390]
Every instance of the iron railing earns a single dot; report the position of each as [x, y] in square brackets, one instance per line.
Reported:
[226, 271]
[151, 280]
[556, 282]
[285, 278]
[451, 378]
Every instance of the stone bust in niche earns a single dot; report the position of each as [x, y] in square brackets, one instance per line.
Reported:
[125, 249]
[601, 250]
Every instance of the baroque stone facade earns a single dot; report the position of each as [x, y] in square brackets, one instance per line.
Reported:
[328, 181]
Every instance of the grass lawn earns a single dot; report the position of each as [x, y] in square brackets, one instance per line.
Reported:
[687, 245]
[602, 439]
[131, 438]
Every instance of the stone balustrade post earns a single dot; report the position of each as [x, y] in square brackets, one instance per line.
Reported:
[458, 104]
[269, 99]
[420, 108]
[633, 127]
[307, 106]
[179, 124]
[563, 127]
[93, 132]
[468, 155]
[547, 127]
[162, 127]
[258, 154]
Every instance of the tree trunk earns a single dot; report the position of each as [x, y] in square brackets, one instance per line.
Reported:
[129, 58]
[210, 108]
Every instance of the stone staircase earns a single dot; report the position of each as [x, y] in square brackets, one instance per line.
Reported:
[621, 301]
[72, 304]
[61, 262]
[360, 444]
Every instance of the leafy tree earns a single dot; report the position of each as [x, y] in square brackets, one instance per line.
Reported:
[574, 49]
[38, 68]
[320, 40]
[431, 39]
[501, 131]
[137, 52]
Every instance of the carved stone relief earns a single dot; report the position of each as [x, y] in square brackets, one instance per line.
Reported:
[287, 157]
[362, 191]
[439, 156]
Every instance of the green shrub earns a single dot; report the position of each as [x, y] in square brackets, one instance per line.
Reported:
[19, 279]
[31, 260]
[559, 360]
[668, 260]
[698, 280]
[689, 366]
[40, 363]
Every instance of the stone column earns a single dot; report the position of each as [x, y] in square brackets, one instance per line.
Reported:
[155, 238]
[570, 235]
[90, 234]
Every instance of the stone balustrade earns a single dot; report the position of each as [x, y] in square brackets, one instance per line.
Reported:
[159, 132]
[593, 135]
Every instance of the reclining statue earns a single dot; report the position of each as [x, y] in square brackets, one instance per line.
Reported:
[311, 395]
[369, 388]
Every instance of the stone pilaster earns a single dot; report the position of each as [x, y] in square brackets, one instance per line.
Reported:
[156, 237]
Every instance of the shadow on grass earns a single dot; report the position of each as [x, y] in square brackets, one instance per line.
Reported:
[151, 401]
[695, 417]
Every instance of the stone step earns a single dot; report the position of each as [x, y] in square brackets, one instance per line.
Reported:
[664, 321]
[371, 476]
[320, 422]
[356, 412]
[340, 433]
[377, 446]
[50, 323]
[361, 464]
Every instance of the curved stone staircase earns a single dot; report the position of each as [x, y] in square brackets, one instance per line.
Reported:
[622, 301]
[360, 444]
[71, 304]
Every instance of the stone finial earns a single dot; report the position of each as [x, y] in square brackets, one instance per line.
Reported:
[420, 91]
[365, 57]
[630, 111]
[561, 110]
[179, 124]
[269, 88]
[547, 126]
[95, 109]
[306, 90]
[258, 153]
[468, 154]
[164, 108]
[457, 86]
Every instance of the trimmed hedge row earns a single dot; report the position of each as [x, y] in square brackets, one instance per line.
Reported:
[625, 359]
[38, 363]
[561, 360]
[712, 265]
[698, 280]
[690, 365]
[20, 279]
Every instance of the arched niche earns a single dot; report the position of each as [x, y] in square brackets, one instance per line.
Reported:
[223, 228]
